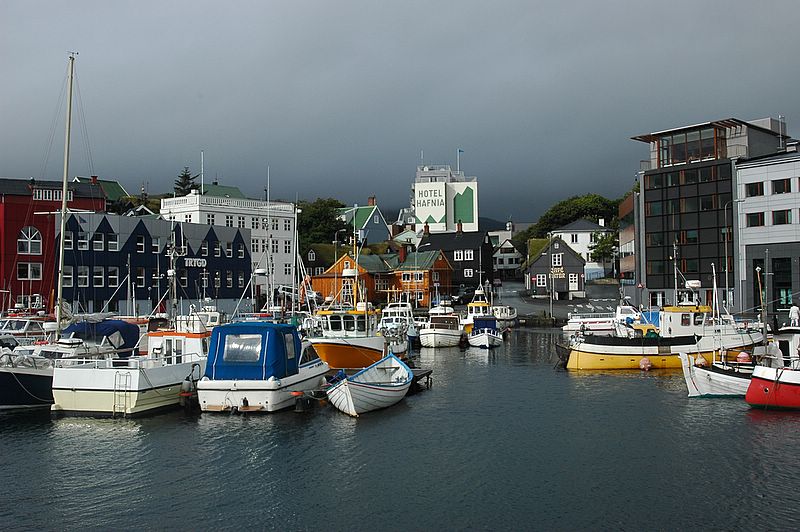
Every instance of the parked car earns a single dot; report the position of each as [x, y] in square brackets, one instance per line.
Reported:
[464, 295]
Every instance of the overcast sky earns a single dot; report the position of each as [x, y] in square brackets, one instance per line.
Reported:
[339, 97]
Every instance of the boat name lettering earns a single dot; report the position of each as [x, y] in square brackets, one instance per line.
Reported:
[194, 263]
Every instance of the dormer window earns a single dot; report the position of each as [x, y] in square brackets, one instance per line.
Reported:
[311, 255]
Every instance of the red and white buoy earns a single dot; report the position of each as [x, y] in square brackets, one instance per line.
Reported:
[743, 358]
[645, 364]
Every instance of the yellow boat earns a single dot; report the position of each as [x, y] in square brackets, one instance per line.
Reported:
[683, 328]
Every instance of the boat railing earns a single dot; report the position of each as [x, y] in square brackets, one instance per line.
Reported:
[592, 316]
[146, 362]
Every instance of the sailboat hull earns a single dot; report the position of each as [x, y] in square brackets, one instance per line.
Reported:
[25, 388]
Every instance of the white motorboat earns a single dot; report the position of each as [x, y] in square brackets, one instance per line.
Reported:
[478, 307]
[443, 330]
[135, 385]
[381, 385]
[506, 315]
[257, 367]
[485, 333]
[722, 378]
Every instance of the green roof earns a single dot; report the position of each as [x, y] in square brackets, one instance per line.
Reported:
[113, 189]
[361, 215]
[222, 191]
[535, 247]
[423, 260]
[373, 263]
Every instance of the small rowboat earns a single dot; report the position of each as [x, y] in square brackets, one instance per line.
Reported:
[380, 385]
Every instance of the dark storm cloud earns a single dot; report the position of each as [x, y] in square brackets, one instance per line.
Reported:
[340, 97]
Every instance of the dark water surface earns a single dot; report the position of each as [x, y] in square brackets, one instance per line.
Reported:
[502, 441]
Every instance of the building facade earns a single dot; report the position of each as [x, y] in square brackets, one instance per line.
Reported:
[685, 204]
[123, 263]
[28, 258]
[557, 270]
[469, 254]
[272, 227]
[443, 199]
[581, 235]
[768, 227]
[367, 222]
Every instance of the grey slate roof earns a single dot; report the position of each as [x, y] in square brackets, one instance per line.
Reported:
[23, 187]
[452, 241]
[583, 225]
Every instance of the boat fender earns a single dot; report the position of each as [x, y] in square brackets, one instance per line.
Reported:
[700, 361]
[245, 402]
[743, 358]
[645, 364]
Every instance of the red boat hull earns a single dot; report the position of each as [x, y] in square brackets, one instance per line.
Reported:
[782, 392]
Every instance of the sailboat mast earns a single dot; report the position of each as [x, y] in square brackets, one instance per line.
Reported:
[61, 238]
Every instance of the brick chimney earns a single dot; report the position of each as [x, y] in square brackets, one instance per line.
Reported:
[402, 254]
[425, 229]
[371, 201]
[459, 227]
[94, 179]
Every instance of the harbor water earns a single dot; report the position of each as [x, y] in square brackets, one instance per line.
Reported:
[503, 440]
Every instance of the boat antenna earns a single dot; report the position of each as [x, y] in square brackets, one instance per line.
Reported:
[62, 236]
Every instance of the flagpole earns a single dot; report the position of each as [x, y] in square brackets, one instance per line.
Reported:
[458, 160]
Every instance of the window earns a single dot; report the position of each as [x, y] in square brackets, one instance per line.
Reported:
[782, 217]
[29, 271]
[287, 246]
[217, 279]
[755, 219]
[112, 242]
[264, 245]
[275, 224]
[204, 248]
[435, 276]
[311, 255]
[228, 220]
[240, 222]
[112, 274]
[139, 244]
[241, 279]
[469, 254]
[229, 249]
[83, 240]
[155, 245]
[541, 280]
[376, 219]
[346, 264]
[240, 250]
[406, 277]
[574, 238]
[754, 189]
[67, 283]
[468, 272]
[573, 279]
[689, 236]
[287, 268]
[557, 259]
[187, 218]
[97, 242]
[140, 277]
[67, 240]
[254, 246]
[209, 219]
[29, 241]
[458, 255]
[287, 225]
[98, 276]
[265, 223]
[83, 276]
[707, 203]
[217, 249]
[274, 245]
[420, 295]
[254, 223]
[418, 277]
[781, 186]
[229, 279]
[242, 348]
[319, 270]
[183, 278]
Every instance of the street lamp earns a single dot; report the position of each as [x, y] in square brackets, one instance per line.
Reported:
[727, 233]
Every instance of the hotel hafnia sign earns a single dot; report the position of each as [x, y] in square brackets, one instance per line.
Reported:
[443, 205]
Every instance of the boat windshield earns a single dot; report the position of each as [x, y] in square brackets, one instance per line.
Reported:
[242, 348]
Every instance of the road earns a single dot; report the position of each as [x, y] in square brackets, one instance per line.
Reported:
[602, 298]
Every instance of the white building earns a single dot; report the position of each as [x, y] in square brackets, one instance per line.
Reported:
[580, 236]
[442, 198]
[765, 207]
[272, 227]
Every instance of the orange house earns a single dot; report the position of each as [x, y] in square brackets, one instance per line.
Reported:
[422, 273]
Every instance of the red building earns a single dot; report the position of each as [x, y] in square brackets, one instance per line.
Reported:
[28, 245]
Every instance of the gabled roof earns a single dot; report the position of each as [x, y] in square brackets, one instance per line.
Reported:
[562, 247]
[373, 264]
[453, 241]
[113, 189]
[405, 237]
[361, 215]
[222, 191]
[583, 225]
[422, 260]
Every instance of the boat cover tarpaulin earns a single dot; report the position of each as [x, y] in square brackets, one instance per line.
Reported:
[484, 323]
[653, 317]
[121, 334]
[253, 351]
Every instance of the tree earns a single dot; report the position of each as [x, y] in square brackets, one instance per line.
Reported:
[185, 182]
[319, 222]
[604, 247]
